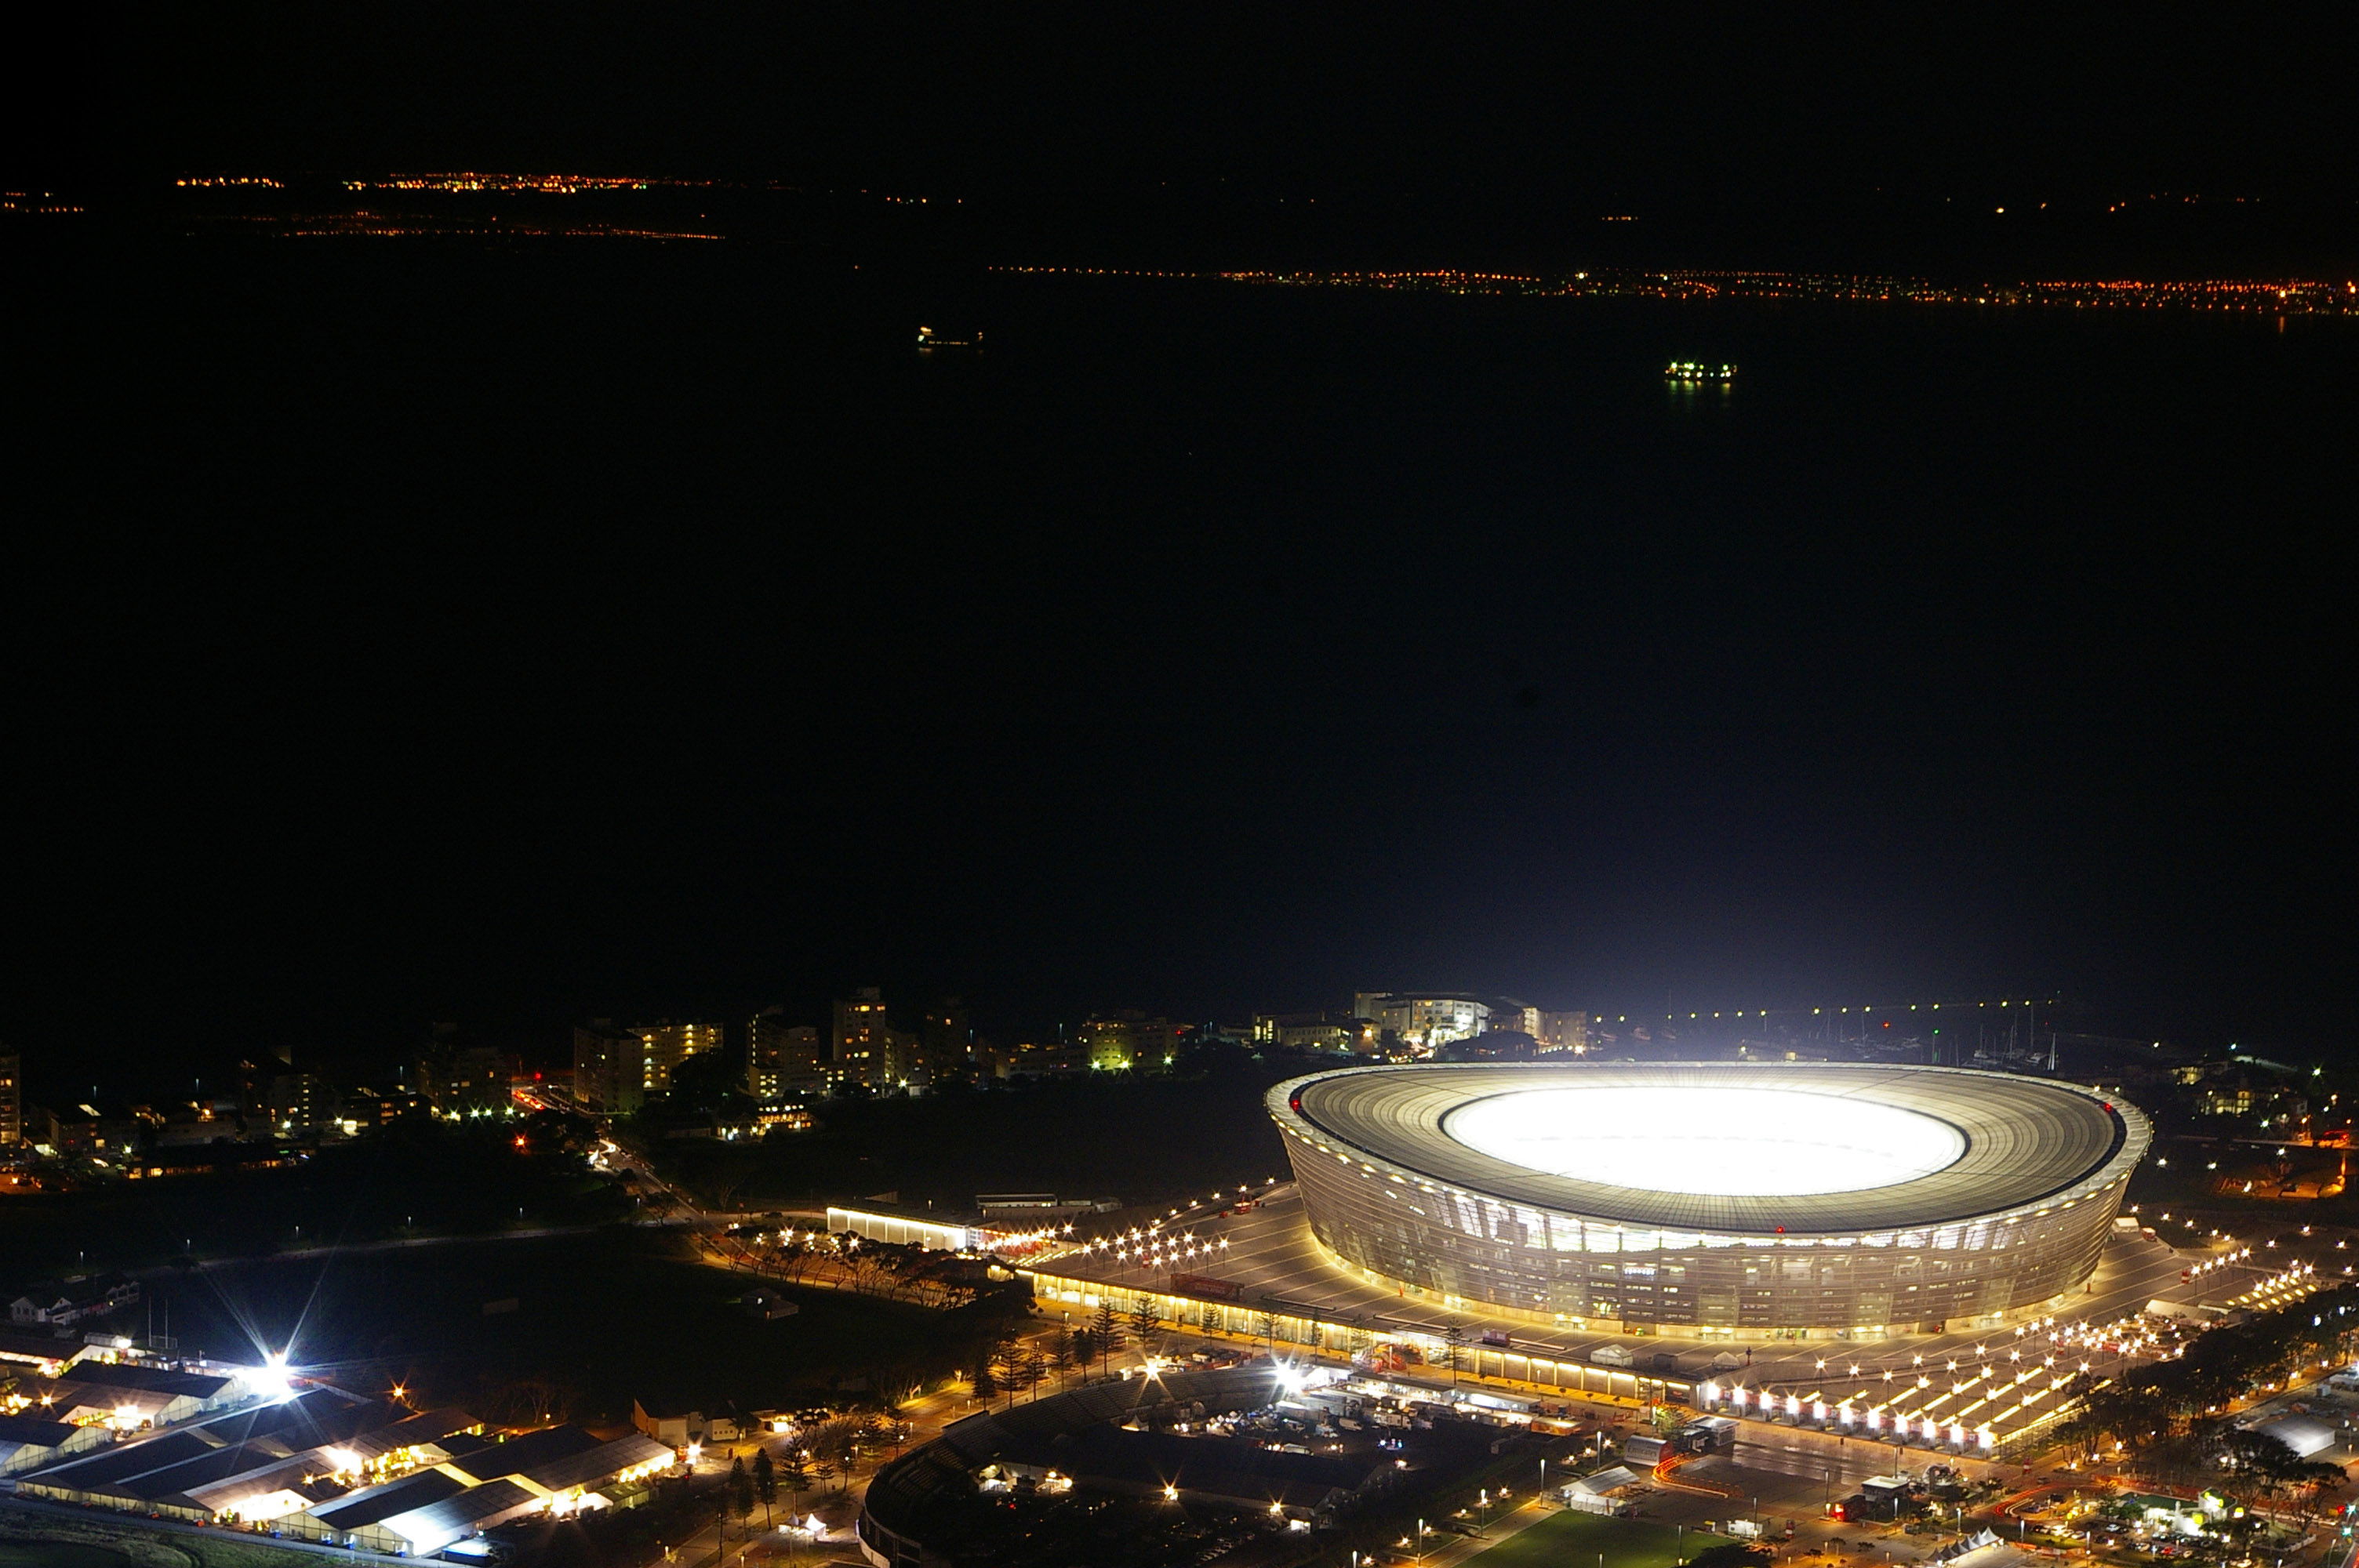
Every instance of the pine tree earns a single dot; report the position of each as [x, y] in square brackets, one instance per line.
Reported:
[798, 1479]
[1105, 1330]
[741, 1488]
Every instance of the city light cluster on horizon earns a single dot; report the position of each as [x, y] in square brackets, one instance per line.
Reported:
[547, 184]
[537, 183]
[2280, 296]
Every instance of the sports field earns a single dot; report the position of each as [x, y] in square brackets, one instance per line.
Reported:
[1572, 1539]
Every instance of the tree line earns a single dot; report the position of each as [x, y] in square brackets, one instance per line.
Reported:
[2172, 1421]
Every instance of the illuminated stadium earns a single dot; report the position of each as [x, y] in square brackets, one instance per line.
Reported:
[1694, 1196]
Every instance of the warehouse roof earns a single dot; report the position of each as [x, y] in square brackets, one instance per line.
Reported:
[413, 1432]
[596, 1466]
[149, 1380]
[519, 1455]
[30, 1429]
[109, 1466]
[371, 1504]
[16, 1345]
[435, 1526]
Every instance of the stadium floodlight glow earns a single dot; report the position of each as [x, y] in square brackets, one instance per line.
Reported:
[1763, 1142]
[271, 1380]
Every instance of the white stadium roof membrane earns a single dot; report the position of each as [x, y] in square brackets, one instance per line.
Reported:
[1766, 1142]
[1759, 1148]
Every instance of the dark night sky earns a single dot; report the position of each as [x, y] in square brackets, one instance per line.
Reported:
[1513, 104]
[506, 638]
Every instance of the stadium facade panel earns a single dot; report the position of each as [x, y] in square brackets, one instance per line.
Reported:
[1827, 1197]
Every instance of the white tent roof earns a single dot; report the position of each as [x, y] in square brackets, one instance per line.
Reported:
[2300, 1433]
[1997, 1554]
[1607, 1479]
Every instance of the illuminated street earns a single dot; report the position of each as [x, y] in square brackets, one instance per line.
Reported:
[1272, 1257]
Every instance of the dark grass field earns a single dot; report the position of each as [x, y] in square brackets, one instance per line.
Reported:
[574, 1325]
[1144, 1140]
[1570, 1539]
[402, 1182]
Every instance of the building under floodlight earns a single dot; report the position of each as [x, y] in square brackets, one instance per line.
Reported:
[1701, 1196]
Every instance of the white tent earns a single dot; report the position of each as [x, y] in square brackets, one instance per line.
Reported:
[1987, 1551]
[1591, 1494]
[2304, 1435]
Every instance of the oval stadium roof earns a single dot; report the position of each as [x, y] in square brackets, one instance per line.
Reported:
[2018, 1143]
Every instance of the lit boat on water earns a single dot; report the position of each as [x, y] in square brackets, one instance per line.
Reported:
[1695, 370]
[930, 338]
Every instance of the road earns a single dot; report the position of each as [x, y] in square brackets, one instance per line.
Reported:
[354, 1249]
[1777, 1472]
[1774, 1474]
[1273, 1260]
[837, 1510]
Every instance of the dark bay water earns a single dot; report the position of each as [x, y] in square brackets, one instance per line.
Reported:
[605, 615]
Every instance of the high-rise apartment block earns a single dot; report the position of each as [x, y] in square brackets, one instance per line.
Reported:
[666, 1045]
[1425, 1022]
[946, 1041]
[1563, 1032]
[1516, 1016]
[479, 1081]
[1314, 1032]
[609, 1068]
[303, 1102]
[1131, 1041]
[867, 1050]
[781, 1058]
[12, 1101]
